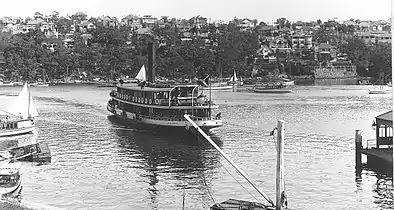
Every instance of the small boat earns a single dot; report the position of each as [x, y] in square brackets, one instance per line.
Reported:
[107, 84]
[39, 84]
[382, 89]
[219, 87]
[6, 84]
[19, 119]
[288, 83]
[10, 178]
[277, 87]
[256, 90]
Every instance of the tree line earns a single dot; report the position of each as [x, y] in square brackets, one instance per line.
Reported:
[113, 52]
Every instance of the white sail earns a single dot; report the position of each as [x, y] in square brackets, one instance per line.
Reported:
[32, 107]
[141, 74]
[233, 78]
[23, 105]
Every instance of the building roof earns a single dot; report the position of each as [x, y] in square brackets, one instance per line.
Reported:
[131, 16]
[35, 22]
[144, 31]
[388, 116]
[324, 46]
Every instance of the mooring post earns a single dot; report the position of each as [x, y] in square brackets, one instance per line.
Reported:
[183, 199]
[358, 145]
[279, 164]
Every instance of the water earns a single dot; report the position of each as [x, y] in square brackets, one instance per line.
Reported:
[99, 163]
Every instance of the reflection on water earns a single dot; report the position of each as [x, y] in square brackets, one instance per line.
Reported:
[173, 156]
[382, 185]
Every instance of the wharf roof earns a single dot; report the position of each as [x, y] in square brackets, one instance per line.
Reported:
[385, 118]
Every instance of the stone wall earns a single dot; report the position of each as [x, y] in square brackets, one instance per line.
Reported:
[335, 72]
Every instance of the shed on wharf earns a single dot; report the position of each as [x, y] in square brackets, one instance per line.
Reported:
[379, 151]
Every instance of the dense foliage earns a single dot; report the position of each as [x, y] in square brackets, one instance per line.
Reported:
[111, 52]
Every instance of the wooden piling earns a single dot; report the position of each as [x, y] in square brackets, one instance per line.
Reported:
[279, 164]
[358, 145]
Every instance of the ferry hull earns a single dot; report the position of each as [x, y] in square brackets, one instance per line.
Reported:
[9, 190]
[17, 131]
[162, 125]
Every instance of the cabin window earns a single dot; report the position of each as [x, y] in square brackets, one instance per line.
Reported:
[8, 126]
[165, 95]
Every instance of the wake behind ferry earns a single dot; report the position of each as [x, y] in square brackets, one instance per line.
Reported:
[162, 105]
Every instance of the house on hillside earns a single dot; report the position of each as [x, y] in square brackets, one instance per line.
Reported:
[38, 15]
[148, 21]
[301, 41]
[34, 24]
[246, 24]
[267, 30]
[108, 21]
[132, 21]
[326, 52]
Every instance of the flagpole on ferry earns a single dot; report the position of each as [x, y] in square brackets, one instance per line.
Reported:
[28, 102]
[210, 96]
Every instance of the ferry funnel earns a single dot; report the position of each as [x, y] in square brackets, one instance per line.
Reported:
[151, 60]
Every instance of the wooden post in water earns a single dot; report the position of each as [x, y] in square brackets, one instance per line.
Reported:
[183, 200]
[279, 164]
[358, 145]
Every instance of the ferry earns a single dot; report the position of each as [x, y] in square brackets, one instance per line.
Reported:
[162, 105]
[10, 178]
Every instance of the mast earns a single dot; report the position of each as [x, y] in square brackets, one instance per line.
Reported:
[28, 104]
[210, 97]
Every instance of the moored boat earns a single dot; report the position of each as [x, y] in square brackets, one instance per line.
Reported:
[107, 84]
[10, 178]
[379, 91]
[277, 87]
[19, 119]
[162, 105]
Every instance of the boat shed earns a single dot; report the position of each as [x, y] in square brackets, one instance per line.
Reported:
[384, 129]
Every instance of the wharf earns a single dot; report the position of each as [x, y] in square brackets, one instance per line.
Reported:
[384, 154]
[38, 152]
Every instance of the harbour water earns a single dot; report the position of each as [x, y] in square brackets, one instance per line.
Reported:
[100, 163]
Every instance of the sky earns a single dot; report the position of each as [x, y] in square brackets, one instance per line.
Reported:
[262, 10]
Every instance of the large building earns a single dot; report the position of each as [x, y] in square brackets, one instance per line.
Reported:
[301, 41]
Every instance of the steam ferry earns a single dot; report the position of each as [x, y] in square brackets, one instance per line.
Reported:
[162, 105]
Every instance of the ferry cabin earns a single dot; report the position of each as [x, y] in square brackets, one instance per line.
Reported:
[9, 179]
[13, 123]
[162, 102]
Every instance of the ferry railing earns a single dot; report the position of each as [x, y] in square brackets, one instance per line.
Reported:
[174, 119]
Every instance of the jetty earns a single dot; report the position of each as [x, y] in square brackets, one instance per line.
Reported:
[38, 152]
[379, 151]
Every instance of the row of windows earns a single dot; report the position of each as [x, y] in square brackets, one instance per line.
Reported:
[8, 125]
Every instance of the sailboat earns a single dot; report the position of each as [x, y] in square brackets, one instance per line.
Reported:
[381, 90]
[19, 119]
[141, 76]
[108, 83]
[218, 85]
